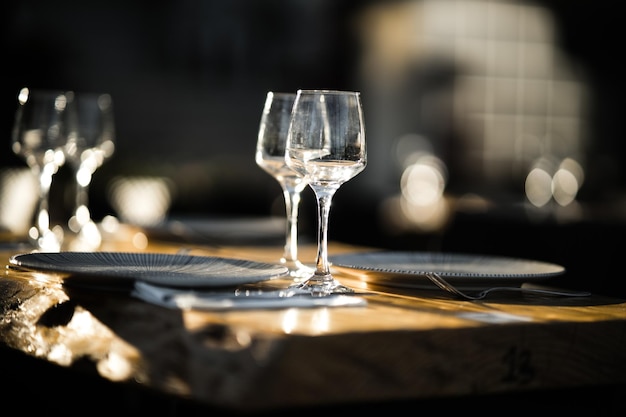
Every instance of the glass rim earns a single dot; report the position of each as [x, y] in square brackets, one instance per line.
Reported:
[281, 93]
[318, 91]
[25, 93]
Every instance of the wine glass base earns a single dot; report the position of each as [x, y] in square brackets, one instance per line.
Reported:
[322, 285]
[298, 271]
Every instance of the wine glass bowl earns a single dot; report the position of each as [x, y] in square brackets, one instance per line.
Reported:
[39, 134]
[270, 156]
[91, 140]
[326, 146]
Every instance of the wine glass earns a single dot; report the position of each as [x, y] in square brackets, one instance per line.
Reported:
[91, 140]
[270, 156]
[39, 134]
[326, 145]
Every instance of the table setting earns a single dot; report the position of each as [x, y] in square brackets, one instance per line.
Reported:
[179, 280]
[308, 138]
[191, 226]
[160, 304]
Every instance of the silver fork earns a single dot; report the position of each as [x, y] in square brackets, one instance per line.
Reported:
[446, 286]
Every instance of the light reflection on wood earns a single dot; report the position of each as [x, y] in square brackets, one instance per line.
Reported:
[404, 344]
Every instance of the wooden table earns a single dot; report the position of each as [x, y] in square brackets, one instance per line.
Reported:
[404, 346]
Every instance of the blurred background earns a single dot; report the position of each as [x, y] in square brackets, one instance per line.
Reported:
[493, 126]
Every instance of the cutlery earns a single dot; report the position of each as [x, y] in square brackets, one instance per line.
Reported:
[446, 286]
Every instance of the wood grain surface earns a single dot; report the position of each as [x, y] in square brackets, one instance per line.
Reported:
[405, 344]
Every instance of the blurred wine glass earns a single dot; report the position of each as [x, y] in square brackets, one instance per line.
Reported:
[39, 135]
[326, 145]
[270, 156]
[91, 140]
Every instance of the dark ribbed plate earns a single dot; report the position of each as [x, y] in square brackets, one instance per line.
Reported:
[409, 269]
[156, 268]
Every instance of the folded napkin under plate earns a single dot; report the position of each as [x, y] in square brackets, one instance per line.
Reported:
[238, 299]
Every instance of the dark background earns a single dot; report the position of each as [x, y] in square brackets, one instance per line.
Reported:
[188, 79]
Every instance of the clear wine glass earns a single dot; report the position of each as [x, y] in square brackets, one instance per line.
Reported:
[270, 156]
[91, 140]
[326, 145]
[39, 134]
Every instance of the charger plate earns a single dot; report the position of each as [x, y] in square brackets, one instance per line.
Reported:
[465, 271]
[176, 270]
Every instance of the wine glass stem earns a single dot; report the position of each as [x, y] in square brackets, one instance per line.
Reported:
[291, 192]
[42, 220]
[45, 238]
[324, 198]
[82, 179]
[82, 193]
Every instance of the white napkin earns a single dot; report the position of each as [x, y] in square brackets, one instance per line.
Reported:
[220, 300]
